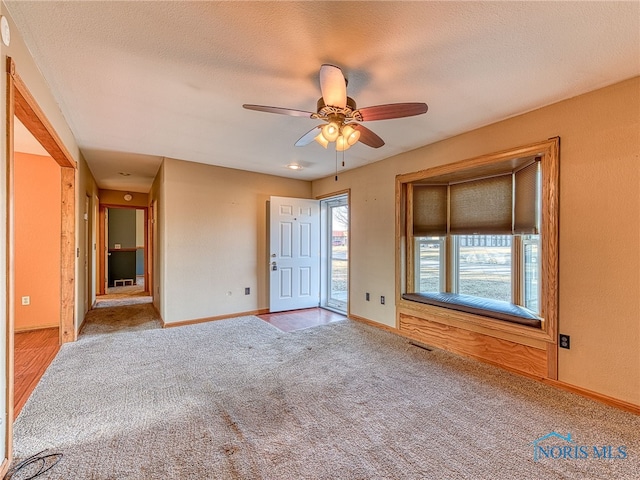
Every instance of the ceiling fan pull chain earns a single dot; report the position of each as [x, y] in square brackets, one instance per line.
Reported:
[337, 165]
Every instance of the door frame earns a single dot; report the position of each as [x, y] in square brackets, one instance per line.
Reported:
[346, 192]
[326, 246]
[103, 248]
[22, 104]
[88, 253]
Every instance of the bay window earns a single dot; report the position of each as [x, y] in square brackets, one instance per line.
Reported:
[483, 229]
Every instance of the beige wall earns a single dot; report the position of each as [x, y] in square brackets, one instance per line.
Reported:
[214, 238]
[599, 227]
[37, 241]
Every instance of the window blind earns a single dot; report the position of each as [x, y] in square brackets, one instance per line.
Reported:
[525, 211]
[501, 205]
[482, 206]
[429, 210]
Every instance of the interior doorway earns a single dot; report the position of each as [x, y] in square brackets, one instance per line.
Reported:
[21, 105]
[334, 212]
[125, 252]
[36, 254]
[125, 248]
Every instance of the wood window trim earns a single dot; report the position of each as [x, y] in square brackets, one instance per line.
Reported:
[489, 164]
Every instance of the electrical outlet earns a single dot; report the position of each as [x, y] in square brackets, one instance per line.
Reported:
[26, 300]
[247, 291]
[565, 341]
[367, 297]
[382, 300]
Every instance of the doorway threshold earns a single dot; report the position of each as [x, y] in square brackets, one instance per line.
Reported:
[293, 320]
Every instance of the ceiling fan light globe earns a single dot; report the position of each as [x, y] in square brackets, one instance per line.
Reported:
[321, 140]
[351, 134]
[331, 131]
[342, 144]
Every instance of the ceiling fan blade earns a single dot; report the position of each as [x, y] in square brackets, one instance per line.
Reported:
[367, 136]
[280, 110]
[308, 137]
[392, 110]
[333, 86]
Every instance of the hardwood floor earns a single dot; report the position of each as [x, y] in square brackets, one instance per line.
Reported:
[299, 319]
[34, 352]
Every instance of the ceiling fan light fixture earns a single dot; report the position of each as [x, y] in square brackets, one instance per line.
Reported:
[342, 144]
[331, 131]
[342, 116]
[350, 134]
[321, 140]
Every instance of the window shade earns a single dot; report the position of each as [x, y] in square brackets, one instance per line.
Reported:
[482, 206]
[429, 210]
[525, 213]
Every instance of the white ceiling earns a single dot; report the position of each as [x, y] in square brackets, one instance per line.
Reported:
[138, 81]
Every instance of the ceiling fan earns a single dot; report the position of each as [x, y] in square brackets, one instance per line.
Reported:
[341, 115]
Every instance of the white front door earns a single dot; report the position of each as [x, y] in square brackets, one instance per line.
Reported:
[294, 248]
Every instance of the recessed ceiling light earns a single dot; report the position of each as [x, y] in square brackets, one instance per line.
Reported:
[294, 166]
[124, 174]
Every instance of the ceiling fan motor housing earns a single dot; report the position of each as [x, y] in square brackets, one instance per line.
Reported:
[329, 112]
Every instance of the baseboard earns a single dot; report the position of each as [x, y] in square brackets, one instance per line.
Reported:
[37, 327]
[182, 323]
[607, 400]
[382, 326]
[611, 401]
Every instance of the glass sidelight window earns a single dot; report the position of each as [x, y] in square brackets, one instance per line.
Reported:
[335, 221]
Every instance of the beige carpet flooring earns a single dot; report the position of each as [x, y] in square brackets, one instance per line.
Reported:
[121, 315]
[239, 399]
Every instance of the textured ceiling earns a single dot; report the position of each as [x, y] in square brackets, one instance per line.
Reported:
[138, 81]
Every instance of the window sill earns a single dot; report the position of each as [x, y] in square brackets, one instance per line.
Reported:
[485, 307]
